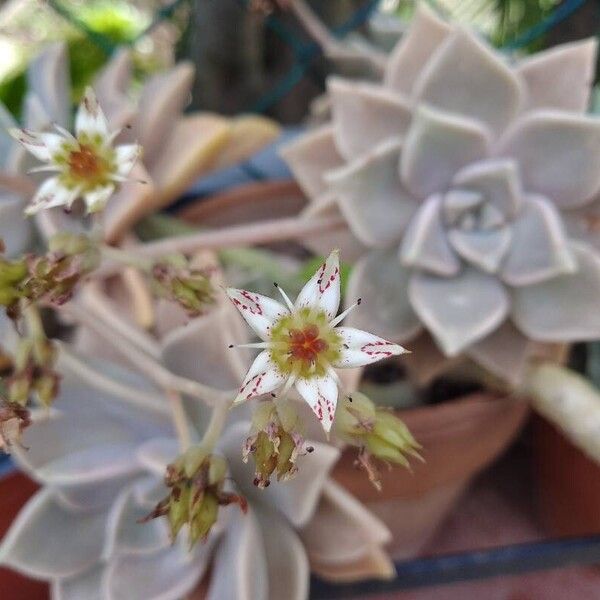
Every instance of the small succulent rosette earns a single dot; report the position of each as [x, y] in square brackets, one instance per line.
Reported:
[101, 463]
[469, 184]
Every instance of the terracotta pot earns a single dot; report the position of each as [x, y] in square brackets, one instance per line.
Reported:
[567, 483]
[460, 438]
[15, 490]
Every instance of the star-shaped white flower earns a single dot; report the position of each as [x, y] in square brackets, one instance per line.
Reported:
[87, 165]
[302, 344]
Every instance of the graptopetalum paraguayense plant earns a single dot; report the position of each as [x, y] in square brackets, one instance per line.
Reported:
[468, 183]
[118, 486]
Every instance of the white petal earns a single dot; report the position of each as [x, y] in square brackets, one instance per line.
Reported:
[170, 574]
[321, 394]
[322, 291]
[565, 308]
[382, 283]
[96, 199]
[240, 567]
[362, 348]
[460, 310]
[436, 147]
[50, 194]
[497, 180]
[311, 155]
[84, 586]
[371, 196]
[46, 540]
[558, 154]
[90, 119]
[364, 115]
[260, 312]
[426, 33]
[263, 377]
[561, 77]
[466, 77]
[48, 81]
[127, 156]
[42, 145]
[425, 244]
[539, 248]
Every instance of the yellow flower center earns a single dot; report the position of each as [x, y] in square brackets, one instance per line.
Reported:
[304, 343]
[84, 163]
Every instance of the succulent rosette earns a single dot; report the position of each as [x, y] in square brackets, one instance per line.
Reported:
[101, 462]
[467, 181]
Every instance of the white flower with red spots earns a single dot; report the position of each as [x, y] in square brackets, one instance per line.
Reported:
[86, 165]
[302, 345]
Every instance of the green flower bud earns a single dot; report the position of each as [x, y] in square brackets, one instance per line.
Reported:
[377, 432]
[13, 420]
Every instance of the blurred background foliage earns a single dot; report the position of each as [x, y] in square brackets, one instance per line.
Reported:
[249, 59]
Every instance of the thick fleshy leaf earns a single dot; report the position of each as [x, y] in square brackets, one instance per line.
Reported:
[458, 204]
[460, 310]
[156, 453]
[560, 77]
[48, 80]
[260, 312]
[350, 247]
[50, 194]
[436, 147]
[342, 530]
[382, 283]
[47, 540]
[539, 248]
[7, 143]
[564, 308]
[322, 291]
[364, 115]
[15, 229]
[321, 394]
[497, 180]
[84, 586]
[371, 196]
[362, 348]
[425, 245]
[504, 353]
[426, 33]
[466, 77]
[484, 248]
[558, 155]
[170, 574]
[125, 534]
[112, 86]
[263, 377]
[240, 568]
[90, 119]
[297, 498]
[287, 564]
[310, 156]
[163, 98]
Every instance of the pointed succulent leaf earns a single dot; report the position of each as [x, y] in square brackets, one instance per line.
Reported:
[484, 249]
[84, 586]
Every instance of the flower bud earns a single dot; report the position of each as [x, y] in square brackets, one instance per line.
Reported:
[195, 480]
[377, 432]
[12, 277]
[13, 420]
[190, 288]
[275, 442]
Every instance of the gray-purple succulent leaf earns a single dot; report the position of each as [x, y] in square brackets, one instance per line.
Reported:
[474, 199]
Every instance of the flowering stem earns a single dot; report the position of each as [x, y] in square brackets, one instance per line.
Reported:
[134, 397]
[569, 401]
[124, 257]
[263, 232]
[145, 363]
[180, 421]
[216, 424]
[34, 321]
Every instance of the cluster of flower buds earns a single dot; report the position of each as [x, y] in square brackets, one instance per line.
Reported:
[377, 432]
[195, 481]
[53, 277]
[275, 441]
[14, 418]
[33, 372]
[177, 280]
[13, 275]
